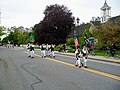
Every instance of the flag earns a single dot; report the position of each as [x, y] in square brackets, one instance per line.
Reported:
[76, 41]
[85, 36]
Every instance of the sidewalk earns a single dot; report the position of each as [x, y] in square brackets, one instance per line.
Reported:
[100, 58]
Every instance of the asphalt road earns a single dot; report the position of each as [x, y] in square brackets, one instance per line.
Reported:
[18, 72]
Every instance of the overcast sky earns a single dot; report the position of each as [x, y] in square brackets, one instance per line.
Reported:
[27, 13]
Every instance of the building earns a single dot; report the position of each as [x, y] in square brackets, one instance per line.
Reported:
[105, 12]
[78, 30]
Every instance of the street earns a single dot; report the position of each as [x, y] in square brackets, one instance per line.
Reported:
[18, 72]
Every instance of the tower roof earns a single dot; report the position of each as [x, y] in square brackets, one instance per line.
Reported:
[105, 6]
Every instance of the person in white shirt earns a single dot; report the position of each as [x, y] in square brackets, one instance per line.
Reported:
[52, 50]
[43, 50]
[31, 50]
[85, 56]
[28, 49]
[78, 57]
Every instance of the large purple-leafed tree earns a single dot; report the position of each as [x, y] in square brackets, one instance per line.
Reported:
[55, 26]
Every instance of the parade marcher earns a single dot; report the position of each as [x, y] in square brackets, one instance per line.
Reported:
[52, 51]
[43, 48]
[78, 57]
[85, 56]
[31, 50]
[28, 49]
[48, 51]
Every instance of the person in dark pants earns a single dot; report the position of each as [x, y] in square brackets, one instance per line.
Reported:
[85, 56]
[31, 50]
[52, 51]
[78, 57]
[112, 50]
[43, 50]
[64, 47]
[28, 49]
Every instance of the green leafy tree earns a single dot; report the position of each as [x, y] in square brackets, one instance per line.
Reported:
[70, 41]
[21, 38]
[16, 36]
[12, 37]
[108, 33]
[1, 30]
[5, 40]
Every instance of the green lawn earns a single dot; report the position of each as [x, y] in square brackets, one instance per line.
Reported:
[102, 52]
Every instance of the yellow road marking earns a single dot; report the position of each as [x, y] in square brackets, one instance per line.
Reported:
[116, 61]
[86, 69]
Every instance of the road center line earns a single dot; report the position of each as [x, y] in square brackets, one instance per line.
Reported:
[86, 69]
[109, 63]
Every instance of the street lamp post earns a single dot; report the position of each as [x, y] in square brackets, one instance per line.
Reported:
[77, 28]
[78, 24]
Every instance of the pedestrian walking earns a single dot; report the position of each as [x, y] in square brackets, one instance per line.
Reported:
[48, 50]
[31, 50]
[52, 50]
[85, 56]
[28, 49]
[64, 47]
[78, 57]
[43, 52]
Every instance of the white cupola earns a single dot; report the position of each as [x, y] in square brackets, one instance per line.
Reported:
[105, 12]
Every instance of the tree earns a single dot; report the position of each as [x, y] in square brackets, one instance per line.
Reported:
[108, 33]
[1, 30]
[5, 40]
[16, 36]
[55, 26]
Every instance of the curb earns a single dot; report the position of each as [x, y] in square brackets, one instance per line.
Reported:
[112, 61]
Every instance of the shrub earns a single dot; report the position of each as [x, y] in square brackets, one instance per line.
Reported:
[71, 50]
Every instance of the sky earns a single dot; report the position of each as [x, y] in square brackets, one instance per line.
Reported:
[27, 13]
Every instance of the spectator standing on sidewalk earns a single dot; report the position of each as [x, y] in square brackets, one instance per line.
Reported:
[112, 50]
[64, 47]
[85, 55]
[91, 48]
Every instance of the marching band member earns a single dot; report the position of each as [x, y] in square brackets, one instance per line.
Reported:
[85, 55]
[78, 57]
